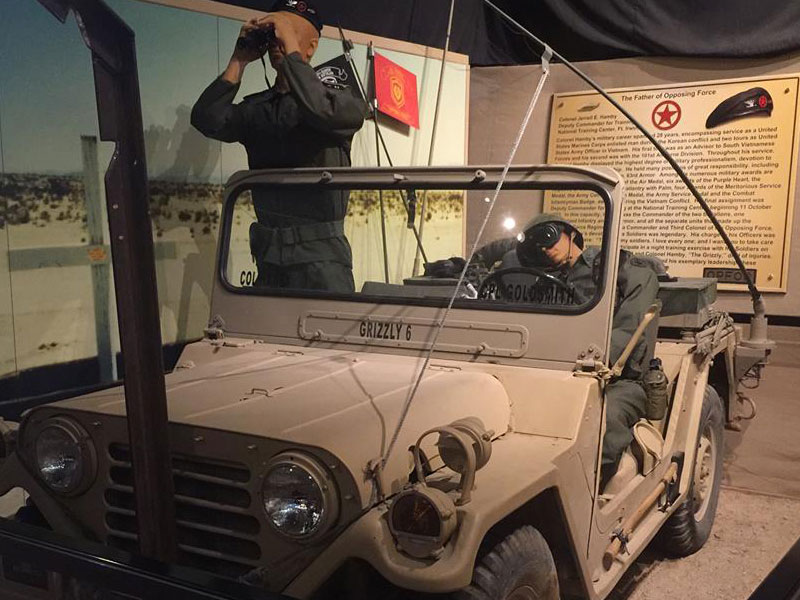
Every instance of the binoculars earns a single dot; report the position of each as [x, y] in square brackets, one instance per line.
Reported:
[257, 40]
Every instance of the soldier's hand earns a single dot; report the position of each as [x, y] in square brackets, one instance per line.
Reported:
[246, 54]
[285, 34]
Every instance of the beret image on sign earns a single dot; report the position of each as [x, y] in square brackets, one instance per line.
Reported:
[749, 102]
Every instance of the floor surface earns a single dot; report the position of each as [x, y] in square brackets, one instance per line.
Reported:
[765, 455]
[758, 517]
[751, 534]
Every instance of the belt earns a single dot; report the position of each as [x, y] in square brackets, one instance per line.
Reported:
[299, 234]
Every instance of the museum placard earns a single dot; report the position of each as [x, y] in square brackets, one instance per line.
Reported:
[736, 139]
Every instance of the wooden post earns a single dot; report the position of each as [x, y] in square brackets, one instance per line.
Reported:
[98, 258]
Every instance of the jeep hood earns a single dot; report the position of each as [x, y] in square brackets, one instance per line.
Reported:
[348, 403]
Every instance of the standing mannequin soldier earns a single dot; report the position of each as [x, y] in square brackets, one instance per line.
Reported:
[298, 240]
[551, 242]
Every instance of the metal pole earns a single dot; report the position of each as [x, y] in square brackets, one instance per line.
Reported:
[119, 112]
[374, 104]
[415, 268]
[383, 221]
[98, 257]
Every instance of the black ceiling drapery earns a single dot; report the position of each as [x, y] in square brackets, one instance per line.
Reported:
[578, 29]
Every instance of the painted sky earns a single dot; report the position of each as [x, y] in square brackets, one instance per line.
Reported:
[47, 87]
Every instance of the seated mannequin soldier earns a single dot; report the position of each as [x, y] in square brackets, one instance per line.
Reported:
[298, 240]
[554, 244]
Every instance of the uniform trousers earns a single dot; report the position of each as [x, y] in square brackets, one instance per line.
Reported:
[626, 403]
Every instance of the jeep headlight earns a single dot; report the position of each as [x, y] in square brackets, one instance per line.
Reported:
[422, 519]
[299, 496]
[64, 455]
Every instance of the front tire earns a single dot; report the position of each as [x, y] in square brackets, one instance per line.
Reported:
[689, 527]
[521, 567]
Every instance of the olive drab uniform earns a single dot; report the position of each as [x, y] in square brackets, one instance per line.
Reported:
[298, 240]
[637, 290]
[626, 401]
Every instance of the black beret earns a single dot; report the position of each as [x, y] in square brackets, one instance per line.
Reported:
[301, 8]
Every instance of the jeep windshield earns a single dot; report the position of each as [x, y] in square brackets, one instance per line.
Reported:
[525, 261]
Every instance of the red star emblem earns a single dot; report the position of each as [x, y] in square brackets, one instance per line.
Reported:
[666, 115]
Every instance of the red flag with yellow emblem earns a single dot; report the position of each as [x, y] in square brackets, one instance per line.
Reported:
[396, 91]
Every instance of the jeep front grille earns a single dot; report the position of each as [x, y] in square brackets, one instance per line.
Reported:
[216, 529]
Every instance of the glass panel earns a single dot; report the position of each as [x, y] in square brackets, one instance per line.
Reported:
[43, 188]
[183, 166]
[538, 261]
[8, 356]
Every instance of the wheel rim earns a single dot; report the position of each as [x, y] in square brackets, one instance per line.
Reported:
[704, 472]
[523, 592]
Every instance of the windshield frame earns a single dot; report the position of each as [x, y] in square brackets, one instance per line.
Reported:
[467, 179]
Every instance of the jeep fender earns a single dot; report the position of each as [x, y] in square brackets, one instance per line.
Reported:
[533, 461]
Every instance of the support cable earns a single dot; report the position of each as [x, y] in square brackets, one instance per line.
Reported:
[546, 55]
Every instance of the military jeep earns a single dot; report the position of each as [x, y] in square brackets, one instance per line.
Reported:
[331, 445]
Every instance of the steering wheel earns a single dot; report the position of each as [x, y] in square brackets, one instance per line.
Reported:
[496, 277]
